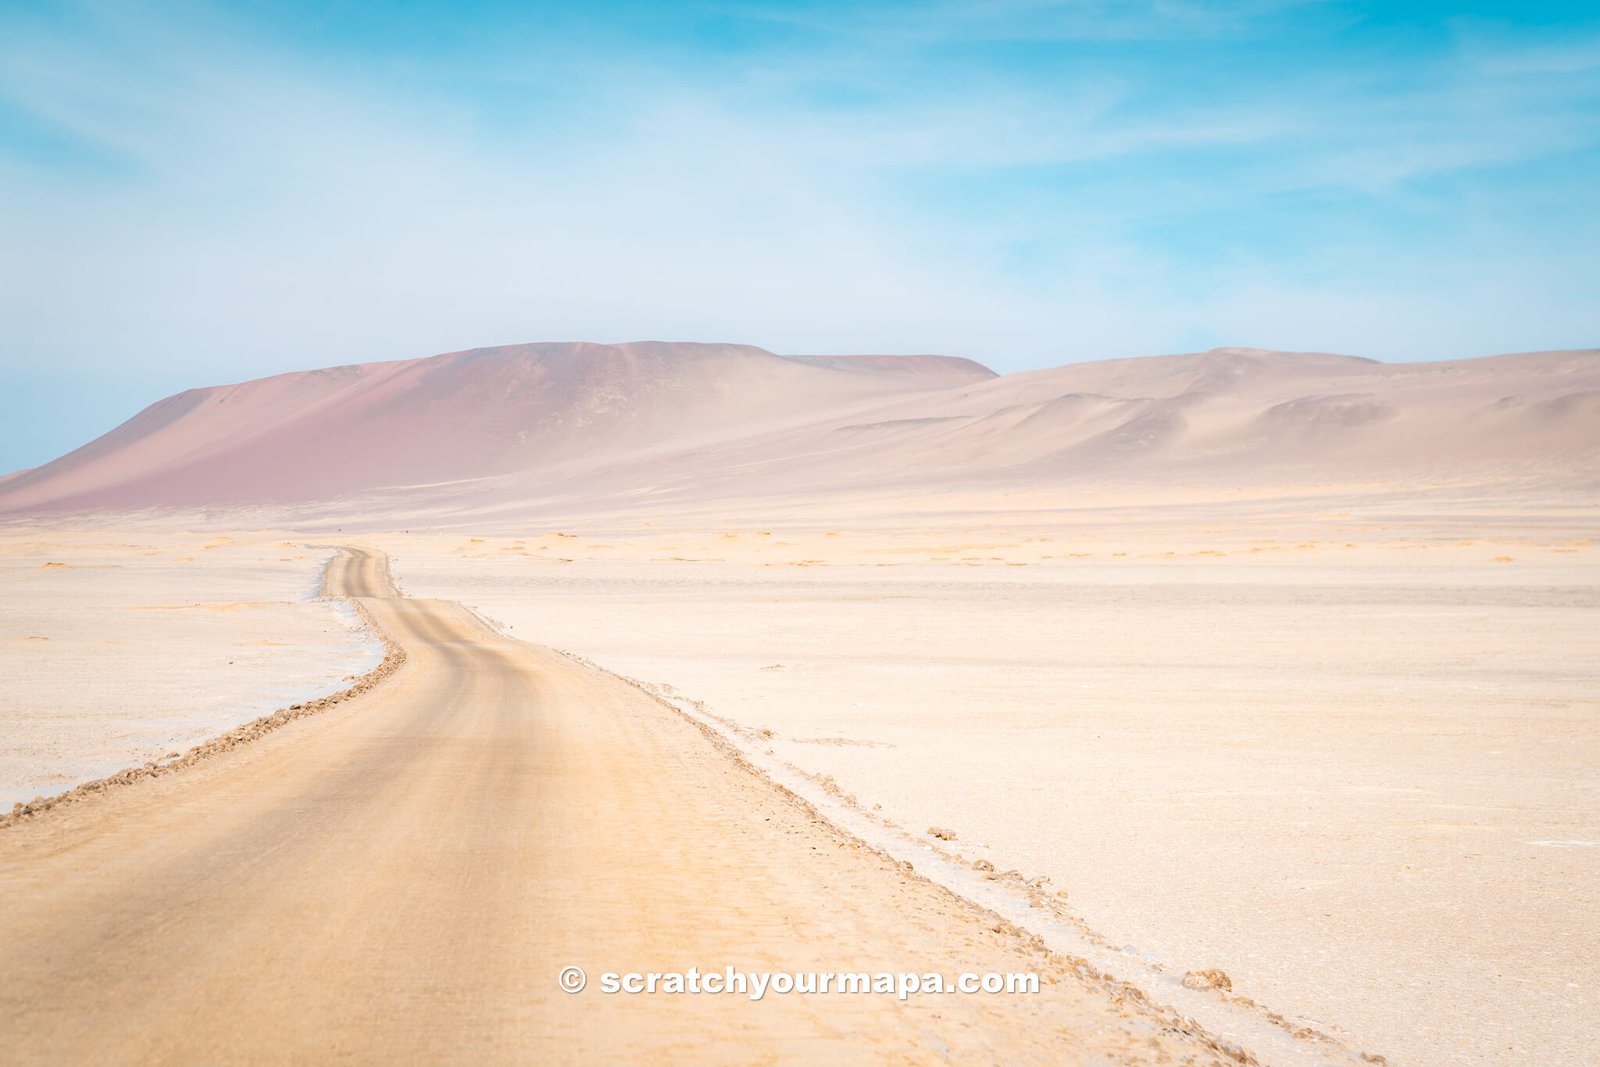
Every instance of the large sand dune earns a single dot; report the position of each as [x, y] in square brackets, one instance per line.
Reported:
[506, 432]
[523, 409]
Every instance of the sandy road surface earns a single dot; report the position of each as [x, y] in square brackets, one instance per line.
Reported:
[403, 876]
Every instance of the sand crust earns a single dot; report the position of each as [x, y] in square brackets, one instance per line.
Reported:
[324, 889]
[125, 647]
[1347, 768]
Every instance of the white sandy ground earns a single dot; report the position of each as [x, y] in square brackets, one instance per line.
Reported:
[1349, 754]
[117, 648]
[401, 876]
[1360, 774]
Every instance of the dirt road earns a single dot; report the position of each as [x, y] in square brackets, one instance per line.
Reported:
[404, 875]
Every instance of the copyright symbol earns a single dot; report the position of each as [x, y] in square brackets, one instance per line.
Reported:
[573, 979]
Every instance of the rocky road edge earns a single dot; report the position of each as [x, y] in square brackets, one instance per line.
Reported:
[393, 658]
[1118, 989]
[1117, 992]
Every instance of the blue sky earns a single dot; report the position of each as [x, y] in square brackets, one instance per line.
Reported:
[193, 193]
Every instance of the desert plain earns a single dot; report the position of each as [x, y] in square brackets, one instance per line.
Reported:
[1281, 666]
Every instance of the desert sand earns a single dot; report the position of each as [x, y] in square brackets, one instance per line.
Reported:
[1279, 665]
[1360, 776]
[403, 876]
[118, 648]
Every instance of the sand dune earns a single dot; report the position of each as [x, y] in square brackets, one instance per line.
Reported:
[524, 428]
[1233, 416]
[465, 415]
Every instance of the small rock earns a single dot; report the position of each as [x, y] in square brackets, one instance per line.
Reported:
[983, 865]
[941, 833]
[1211, 978]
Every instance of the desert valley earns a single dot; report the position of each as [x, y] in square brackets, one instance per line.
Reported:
[1252, 698]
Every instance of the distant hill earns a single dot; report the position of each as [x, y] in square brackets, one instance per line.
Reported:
[517, 409]
[517, 428]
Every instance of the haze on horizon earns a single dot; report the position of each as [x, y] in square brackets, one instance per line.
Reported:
[198, 193]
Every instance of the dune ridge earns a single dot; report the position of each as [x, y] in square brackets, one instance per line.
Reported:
[527, 426]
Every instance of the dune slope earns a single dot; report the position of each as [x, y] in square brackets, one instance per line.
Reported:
[322, 434]
[499, 432]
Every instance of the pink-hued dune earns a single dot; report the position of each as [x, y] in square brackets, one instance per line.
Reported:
[499, 430]
[1239, 416]
[321, 434]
